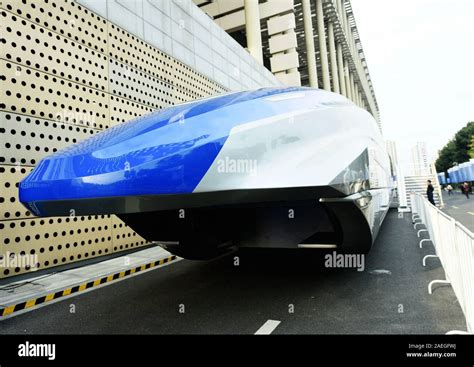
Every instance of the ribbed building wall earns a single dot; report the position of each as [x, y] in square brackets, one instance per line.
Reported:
[312, 43]
[70, 70]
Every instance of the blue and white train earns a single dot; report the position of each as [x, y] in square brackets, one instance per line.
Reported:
[460, 173]
[275, 167]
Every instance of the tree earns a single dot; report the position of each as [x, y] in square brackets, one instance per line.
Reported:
[471, 148]
[456, 150]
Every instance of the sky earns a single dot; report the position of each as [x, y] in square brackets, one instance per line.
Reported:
[420, 55]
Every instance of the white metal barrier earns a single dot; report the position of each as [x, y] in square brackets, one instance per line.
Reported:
[454, 246]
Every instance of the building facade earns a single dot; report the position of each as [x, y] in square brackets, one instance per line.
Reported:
[392, 152]
[419, 158]
[303, 42]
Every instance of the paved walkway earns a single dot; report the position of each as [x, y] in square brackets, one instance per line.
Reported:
[460, 208]
[271, 292]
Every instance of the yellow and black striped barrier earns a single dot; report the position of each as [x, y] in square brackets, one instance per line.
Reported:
[8, 310]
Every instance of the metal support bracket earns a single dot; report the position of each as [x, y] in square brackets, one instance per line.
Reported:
[423, 240]
[417, 224]
[421, 230]
[427, 256]
[430, 289]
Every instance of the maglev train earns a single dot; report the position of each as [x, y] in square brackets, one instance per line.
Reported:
[283, 167]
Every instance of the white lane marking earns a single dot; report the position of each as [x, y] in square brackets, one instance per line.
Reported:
[455, 207]
[380, 271]
[268, 327]
[470, 213]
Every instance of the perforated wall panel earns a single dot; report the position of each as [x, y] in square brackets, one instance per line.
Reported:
[56, 240]
[64, 17]
[34, 46]
[27, 91]
[67, 73]
[10, 207]
[27, 139]
[139, 87]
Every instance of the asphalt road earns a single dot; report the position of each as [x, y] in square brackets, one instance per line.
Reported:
[217, 297]
[460, 208]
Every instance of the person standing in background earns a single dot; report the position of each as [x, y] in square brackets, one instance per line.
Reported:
[466, 189]
[429, 193]
[449, 188]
